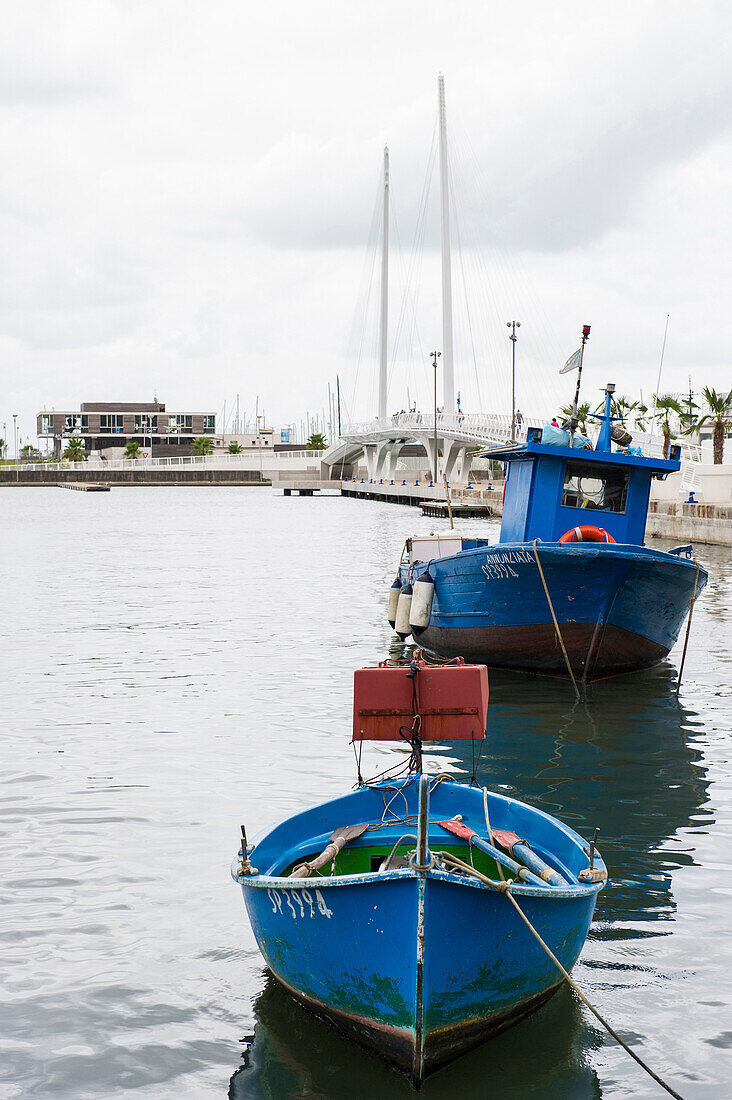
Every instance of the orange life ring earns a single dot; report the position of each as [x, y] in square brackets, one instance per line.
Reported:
[586, 534]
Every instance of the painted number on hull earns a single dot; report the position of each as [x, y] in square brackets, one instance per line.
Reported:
[499, 566]
[301, 903]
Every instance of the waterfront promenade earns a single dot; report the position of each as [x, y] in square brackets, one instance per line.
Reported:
[671, 516]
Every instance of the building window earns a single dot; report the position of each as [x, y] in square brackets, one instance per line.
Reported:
[180, 423]
[598, 488]
[209, 422]
[111, 422]
[145, 423]
[47, 424]
[76, 422]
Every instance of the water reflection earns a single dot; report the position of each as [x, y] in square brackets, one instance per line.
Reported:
[293, 1054]
[625, 759]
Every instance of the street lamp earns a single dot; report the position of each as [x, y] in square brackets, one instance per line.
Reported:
[513, 325]
[435, 356]
[15, 443]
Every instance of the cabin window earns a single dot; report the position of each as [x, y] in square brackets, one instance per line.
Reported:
[599, 488]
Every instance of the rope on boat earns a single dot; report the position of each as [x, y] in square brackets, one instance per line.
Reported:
[556, 624]
[504, 887]
[585, 1001]
[692, 601]
[490, 832]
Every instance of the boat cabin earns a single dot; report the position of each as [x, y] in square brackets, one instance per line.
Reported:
[552, 488]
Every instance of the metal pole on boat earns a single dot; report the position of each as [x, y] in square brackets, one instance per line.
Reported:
[573, 426]
[513, 325]
[423, 856]
[383, 317]
[435, 356]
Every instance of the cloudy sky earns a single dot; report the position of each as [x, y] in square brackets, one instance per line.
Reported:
[187, 197]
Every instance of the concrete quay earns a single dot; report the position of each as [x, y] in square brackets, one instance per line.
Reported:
[146, 475]
[705, 523]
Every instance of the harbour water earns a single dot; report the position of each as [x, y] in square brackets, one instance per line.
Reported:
[178, 661]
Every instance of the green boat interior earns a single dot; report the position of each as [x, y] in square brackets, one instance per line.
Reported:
[361, 859]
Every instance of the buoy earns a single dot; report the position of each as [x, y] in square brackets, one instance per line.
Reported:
[420, 612]
[404, 606]
[394, 601]
[586, 534]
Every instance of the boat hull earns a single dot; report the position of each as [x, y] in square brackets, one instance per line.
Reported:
[421, 968]
[618, 608]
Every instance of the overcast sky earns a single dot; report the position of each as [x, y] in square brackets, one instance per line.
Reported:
[187, 191]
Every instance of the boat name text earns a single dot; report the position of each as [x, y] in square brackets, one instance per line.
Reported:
[297, 897]
[498, 566]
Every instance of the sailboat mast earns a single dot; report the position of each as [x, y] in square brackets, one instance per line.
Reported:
[383, 316]
[448, 377]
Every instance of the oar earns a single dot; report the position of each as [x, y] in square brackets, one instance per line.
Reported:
[337, 839]
[459, 828]
[519, 848]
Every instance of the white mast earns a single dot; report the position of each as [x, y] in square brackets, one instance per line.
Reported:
[383, 317]
[448, 378]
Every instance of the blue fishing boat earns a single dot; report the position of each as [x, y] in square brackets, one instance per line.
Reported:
[569, 588]
[402, 913]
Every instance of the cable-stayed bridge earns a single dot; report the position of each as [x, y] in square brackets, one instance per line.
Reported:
[458, 436]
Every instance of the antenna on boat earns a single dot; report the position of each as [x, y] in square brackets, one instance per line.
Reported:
[660, 367]
[383, 316]
[448, 378]
[573, 426]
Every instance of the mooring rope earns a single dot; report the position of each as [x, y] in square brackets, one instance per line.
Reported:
[585, 1001]
[692, 601]
[504, 887]
[556, 624]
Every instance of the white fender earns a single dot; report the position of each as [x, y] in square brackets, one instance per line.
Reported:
[420, 612]
[402, 626]
[393, 602]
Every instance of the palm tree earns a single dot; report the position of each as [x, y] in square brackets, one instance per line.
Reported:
[720, 416]
[235, 448]
[75, 449]
[641, 415]
[666, 405]
[583, 411]
[317, 442]
[3, 445]
[132, 450]
[623, 407]
[687, 418]
[202, 445]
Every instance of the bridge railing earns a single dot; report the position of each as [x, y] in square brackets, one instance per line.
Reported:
[494, 426]
[491, 428]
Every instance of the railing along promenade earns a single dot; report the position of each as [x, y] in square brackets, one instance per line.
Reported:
[248, 460]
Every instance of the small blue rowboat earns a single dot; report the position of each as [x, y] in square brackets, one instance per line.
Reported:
[385, 912]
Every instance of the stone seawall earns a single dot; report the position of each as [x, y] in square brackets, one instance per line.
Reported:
[710, 523]
[170, 475]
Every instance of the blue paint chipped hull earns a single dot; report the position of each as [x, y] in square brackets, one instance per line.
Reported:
[619, 608]
[419, 968]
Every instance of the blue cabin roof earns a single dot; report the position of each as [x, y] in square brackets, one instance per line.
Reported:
[552, 489]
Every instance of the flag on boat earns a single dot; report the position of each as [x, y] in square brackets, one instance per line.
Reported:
[572, 362]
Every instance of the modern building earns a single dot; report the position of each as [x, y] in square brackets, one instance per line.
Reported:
[112, 424]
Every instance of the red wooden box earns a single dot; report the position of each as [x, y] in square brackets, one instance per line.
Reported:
[452, 700]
